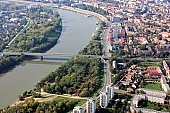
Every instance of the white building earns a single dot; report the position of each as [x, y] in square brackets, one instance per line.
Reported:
[78, 109]
[114, 64]
[91, 106]
[104, 99]
[165, 85]
[110, 91]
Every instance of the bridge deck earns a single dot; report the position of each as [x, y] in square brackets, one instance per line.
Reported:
[50, 54]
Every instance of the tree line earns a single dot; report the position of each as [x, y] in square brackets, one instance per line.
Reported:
[58, 105]
[93, 9]
[94, 46]
[80, 76]
[7, 62]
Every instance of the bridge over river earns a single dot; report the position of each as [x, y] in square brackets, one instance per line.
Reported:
[50, 54]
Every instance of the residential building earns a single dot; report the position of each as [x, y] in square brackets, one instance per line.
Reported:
[78, 109]
[165, 34]
[138, 51]
[91, 106]
[116, 19]
[163, 48]
[114, 64]
[133, 109]
[154, 95]
[110, 90]
[166, 64]
[116, 26]
[150, 95]
[164, 84]
[153, 72]
[157, 99]
[137, 98]
[104, 99]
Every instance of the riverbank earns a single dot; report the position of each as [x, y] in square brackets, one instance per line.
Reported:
[85, 12]
[72, 37]
[52, 94]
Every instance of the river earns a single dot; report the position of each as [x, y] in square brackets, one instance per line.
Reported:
[77, 31]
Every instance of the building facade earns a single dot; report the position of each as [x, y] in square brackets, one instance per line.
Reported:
[110, 90]
[164, 84]
[114, 64]
[166, 64]
[91, 106]
[104, 99]
[78, 109]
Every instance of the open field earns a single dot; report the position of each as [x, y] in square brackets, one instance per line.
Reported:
[154, 86]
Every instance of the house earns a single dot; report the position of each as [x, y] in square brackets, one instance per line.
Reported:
[153, 72]
[128, 77]
[138, 51]
[129, 90]
[164, 34]
[122, 34]
[14, 19]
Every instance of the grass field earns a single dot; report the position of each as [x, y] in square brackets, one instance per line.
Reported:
[149, 63]
[154, 86]
[150, 105]
[158, 107]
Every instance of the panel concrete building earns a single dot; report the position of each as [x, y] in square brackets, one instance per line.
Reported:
[91, 106]
[78, 109]
[104, 99]
[110, 90]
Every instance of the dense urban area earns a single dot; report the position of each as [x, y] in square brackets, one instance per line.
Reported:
[125, 68]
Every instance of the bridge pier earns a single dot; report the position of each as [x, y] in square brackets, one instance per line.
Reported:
[41, 57]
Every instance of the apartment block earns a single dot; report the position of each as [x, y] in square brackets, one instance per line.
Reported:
[91, 106]
[165, 86]
[166, 64]
[110, 90]
[104, 99]
[78, 109]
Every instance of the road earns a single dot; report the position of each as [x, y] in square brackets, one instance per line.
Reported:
[107, 73]
[19, 32]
